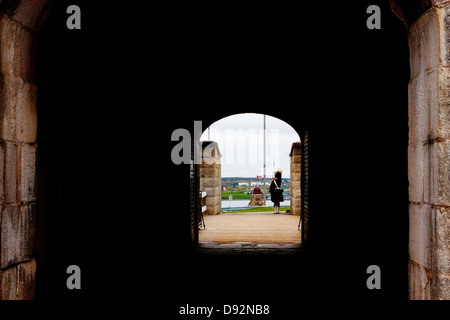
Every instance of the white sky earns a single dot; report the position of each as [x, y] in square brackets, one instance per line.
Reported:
[240, 138]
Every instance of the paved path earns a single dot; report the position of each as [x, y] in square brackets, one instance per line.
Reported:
[251, 229]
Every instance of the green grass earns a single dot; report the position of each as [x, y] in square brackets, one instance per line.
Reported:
[236, 195]
[261, 209]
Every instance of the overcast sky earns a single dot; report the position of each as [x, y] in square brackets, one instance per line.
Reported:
[240, 138]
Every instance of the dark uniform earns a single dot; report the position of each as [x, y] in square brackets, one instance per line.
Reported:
[276, 193]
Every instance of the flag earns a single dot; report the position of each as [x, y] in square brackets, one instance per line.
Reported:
[257, 177]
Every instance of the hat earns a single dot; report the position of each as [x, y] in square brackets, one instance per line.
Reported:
[278, 173]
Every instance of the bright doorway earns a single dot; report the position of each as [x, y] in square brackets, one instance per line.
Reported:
[251, 147]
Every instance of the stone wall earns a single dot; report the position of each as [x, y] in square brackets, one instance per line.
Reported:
[296, 194]
[19, 25]
[428, 150]
[210, 177]
[429, 155]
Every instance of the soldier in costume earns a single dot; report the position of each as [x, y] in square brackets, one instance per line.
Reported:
[276, 193]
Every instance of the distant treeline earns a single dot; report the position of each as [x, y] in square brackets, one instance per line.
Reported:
[247, 179]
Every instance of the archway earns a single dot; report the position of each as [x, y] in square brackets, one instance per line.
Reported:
[236, 187]
[426, 20]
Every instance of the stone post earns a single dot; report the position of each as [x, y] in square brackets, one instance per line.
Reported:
[256, 199]
[210, 176]
[296, 158]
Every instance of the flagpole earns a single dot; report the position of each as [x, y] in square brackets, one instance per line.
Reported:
[264, 166]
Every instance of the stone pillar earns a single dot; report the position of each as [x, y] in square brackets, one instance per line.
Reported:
[256, 200]
[429, 154]
[296, 194]
[210, 176]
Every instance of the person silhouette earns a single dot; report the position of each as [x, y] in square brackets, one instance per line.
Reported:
[276, 193]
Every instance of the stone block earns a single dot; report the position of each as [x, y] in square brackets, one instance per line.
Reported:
[296, 176]
[296, 210]
[296, 149]
[429, 88]
[209, 162]
[296, 193]
[429, 116]
[212, 191]
[425, 43]
[443, 164]
[18, 282]
[18, 114]
[444, 35]
[419, 288]
[218, 209]
[9, 236]
[296, 205]
[28, 225]
[416, 169]
[28, 173]
[8, 284]
[10, 173]
[212, 200]
[31, 14]
[296, 184]
[2, 173]
[296, 167]
[439, 238]
[214, 209]
[296, 202]
[438, 173]
[440, 287]
[26, 113]
[209, 172]
[296, 159]
[423, 173]
[419, 234]
[210, 181]
[442, 110]
[210, 151]
[7, 109]
[17, 47]
[418, 109]
[17, 234]
[26, 280]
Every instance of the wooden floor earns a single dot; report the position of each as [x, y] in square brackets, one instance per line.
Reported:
[263, 227]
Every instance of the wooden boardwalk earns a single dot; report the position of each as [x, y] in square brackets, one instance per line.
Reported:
[256, 227]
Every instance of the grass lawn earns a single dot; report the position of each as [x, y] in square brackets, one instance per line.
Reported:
[236, 195]
[261, 209]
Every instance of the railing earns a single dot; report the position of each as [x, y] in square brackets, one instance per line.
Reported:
[201, 220]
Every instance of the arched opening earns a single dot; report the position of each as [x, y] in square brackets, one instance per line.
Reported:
[427, 158]
[236, 187]
[296, 209]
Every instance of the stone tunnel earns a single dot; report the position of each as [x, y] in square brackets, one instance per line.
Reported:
[427, 22]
